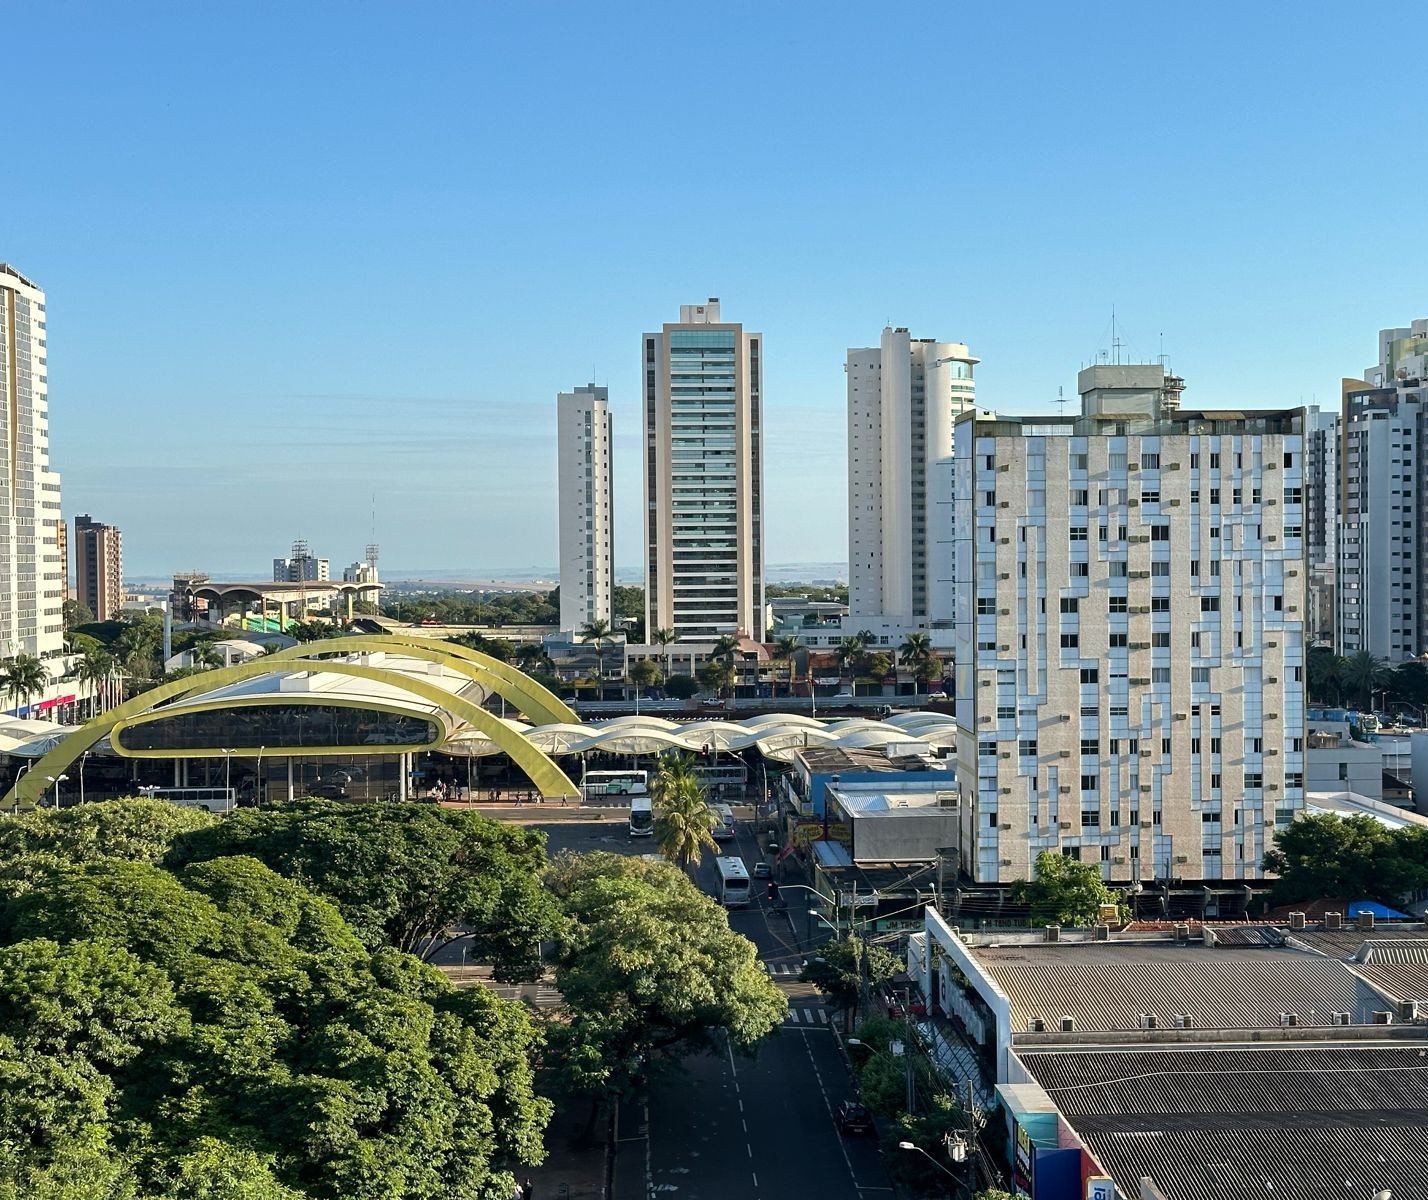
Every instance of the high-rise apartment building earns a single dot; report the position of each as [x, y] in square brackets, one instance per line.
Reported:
[703, 410]
[32, 573]
[1130, 639]
[1382, 562]
[903, 396]
[586, 498]
[301, 566]
[99, 567]
[1321, 524]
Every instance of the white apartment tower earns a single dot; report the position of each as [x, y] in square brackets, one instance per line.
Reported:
[1381, 571]
[1321, 520]
[704, 547]
[903, 397]
[587, 577]
[1130, 639]
[33, 573]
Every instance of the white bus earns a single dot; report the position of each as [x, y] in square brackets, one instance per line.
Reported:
[733, 882]
[641, 817]
[596, 784]
[730, 774]
[724, 826]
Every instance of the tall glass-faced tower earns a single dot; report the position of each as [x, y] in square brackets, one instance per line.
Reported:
[704, 551]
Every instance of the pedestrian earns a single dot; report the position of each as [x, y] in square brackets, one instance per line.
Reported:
[528, 1190]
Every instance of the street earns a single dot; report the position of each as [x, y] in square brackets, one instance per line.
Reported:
[758, 1128]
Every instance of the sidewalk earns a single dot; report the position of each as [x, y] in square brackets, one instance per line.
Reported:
[551, 810]
[573, 1170]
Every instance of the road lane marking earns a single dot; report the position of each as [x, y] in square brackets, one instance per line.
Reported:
[828, 1104]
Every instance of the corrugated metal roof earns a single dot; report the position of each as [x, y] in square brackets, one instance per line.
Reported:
[1238, 990]
[1289, 1122]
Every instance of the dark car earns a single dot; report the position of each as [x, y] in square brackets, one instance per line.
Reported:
[854, 1120]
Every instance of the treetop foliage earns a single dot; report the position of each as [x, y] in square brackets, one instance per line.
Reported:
[1065, 891]
[1327, 857]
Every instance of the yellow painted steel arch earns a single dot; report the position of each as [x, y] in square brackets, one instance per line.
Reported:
[547, 778]
[538, 702]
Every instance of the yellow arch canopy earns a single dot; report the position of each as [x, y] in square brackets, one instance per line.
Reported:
[547, 778]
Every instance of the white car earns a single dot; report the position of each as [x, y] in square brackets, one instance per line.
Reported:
[844, 696]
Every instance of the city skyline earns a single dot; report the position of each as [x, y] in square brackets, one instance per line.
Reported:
[1048, 204]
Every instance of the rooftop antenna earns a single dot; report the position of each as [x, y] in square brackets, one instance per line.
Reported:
[1163, 359]
[373, 550]
[1115, 338]
[1061, 400]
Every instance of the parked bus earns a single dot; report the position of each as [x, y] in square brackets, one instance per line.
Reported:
[724, 829]
[733, 882]
[595, 784]
[641, 817]
[732, 774]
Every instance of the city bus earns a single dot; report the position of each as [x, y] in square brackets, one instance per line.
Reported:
[728, 774]
[641, 817]
[724, 827]
[733, 882]
[595, 784]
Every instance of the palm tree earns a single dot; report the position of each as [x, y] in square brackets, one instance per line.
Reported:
[849, 650]
[725, 648]
[1362, 674]
[205, 654]
[597, 631]
[664, 636]
[94, 670]
[531, 656]
[917, 647]
[683, 820]
[1325, 672]
[24, 676]
[784, 650]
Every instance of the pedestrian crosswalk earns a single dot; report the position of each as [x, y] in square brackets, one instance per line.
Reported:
[806, 1016]
[786, 970]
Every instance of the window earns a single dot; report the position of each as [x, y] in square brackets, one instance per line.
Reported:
[1080, 570]
[1090, 783]
[987, 749]
[1200, 675]
[1160, 570]
[1090, 675]
[1027, 747]
[1214, 462]
[1165, 745]
[1150, 495]
[1117, 569]
[1006, 712]
[1070, 604]
[1253, 779]
[1070, 641]
[1079, 498]
[1090, 816]
[1089, 746]
[1119, 641]
[1159, 674]
[1150, 462]
[1160, 533]
[1214, 495]
[1210, 818]
[1160, 604]
[1216, 746]
[986, 606]
[1194, 745]
[1215, 781]
[1294, 779]
[1078, 533]
[1160, 639]
[1079, 462]
[1207, 604]
[1117, 604]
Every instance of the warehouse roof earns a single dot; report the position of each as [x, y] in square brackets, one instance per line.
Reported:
[1289, 1122]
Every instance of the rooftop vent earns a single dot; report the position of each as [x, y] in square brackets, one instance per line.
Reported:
[1408, 1010]
[1068, 1024]
[1103, 933]
[1038, 1024]
[1289, 1020]
[1340, 1018]
[1296, 921]
[1182, 933]
[1382, 1017]
[1053, 933]
[1184, 1021]
[1149, 1021]
[1365, 920]
[1333, 920]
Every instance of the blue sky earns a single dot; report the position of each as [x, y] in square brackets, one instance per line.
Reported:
[299, 256]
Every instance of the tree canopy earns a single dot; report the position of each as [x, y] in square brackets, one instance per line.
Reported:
[1065, 891]
[403, 875]
[219, 1032]
[650, 971]
[837, 969]
[138, 829]
[1327, 857]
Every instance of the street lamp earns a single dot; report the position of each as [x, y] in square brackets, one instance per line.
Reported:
[56, 780]
[227, 779]
[933, 1161]
[83, 758]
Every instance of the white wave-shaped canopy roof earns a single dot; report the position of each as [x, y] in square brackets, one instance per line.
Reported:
[776, 736]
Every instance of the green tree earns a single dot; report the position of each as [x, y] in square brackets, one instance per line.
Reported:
[25, 676]
[644, 673]
[1064, 892]
[665, 637]
[595, 633]
[206, 655]
[784, 651]
[95, 670]
[725, 649]
[226, 1025]
[629, 600]
[76, 613]
[849, 650]
[1327, 857]
[650, 972]
[1362, 674]
[1324, 672]
[839, 968]
[681, 687]
[717, 676]
[683, 821]
[403, 875]
[496, 647]
[140, 830]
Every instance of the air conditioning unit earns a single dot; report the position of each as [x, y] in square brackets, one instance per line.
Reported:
[1004, 575]
[1180, 858]
[1140, 645]
[1004, 826]
[1171, 466]
[1004, 754]
[1006, 791]
[1341, 1018]
[1293, 571]
[1140, 681]
[1149, 1021]
[1068, 1024]
[1296, 921]
[1065, 824]
[1365, 920]
[1132, 466]
[1182, 933]
[1288, 1020]
[1119, 859]
[1053, 933]
[1184, 1021]
[1271, 645]
[1064, 789]
[1291, 608]
[1382, 1017]
[1140, 574]
[1145, 824]
[985, 683]
[1270, 501]
[1004, 466]
[1180, 716]
[1333, 920]
[1004, 541]
[1173, 503]
[1005, 504]
[984, 719]
[1063, 754]
[1004, 648]
[1271, 465]
[1103, 933]
[1004, 612]
[1140, 537]
[1006, 862]
[1145, 787]
[1271, 752]
[1038, 1025]
[1271, 716]
[1408, 1010]
[1145, 753]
